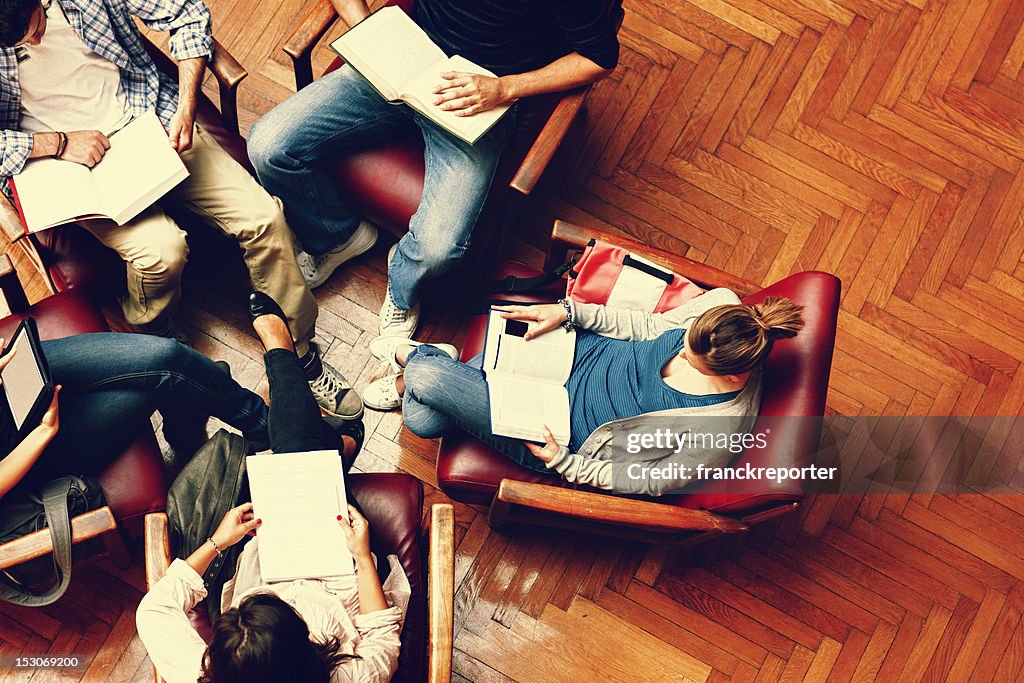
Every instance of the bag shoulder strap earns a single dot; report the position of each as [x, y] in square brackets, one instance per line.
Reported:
[55, 505]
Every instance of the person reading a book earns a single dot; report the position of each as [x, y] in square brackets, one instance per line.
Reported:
[73, 73]
[527, 46]
[342, 628]
[631, 369]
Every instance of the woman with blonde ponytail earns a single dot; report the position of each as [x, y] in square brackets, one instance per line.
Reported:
[640, 385]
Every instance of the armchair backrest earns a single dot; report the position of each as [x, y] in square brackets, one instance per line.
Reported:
[795, 380]
[795, 385]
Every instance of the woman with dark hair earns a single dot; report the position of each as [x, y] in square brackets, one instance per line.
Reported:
[331, 629]
[633, 373]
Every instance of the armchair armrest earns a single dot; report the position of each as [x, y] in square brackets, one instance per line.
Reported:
[566, 237]
[548, 141]
[229, 74]
[605, 509]
[158, 547]
[442, 592]
[301, 42]
[10, 285]
[83, 527]
[10, 221]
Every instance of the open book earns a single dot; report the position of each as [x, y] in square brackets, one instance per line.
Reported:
[299, 497]
[139, 168]
[401, 61]
[526, 380]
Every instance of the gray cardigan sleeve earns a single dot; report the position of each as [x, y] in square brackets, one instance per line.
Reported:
[582, 470]
[620, 323]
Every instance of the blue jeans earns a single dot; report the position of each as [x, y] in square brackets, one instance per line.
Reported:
[290, 145]
[441, 393]
[112, 383]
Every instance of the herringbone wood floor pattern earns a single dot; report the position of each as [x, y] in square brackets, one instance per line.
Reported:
[877, 139]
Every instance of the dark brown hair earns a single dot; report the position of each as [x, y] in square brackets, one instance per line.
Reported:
[734, 339]
[265, 639]
[15, 16]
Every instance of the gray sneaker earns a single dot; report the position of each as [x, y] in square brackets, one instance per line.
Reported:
[335, 394]
[317, 269]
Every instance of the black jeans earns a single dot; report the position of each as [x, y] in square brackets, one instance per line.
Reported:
[295, 423]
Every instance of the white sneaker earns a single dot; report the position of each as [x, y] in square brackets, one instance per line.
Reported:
[385, 349]
[317, 269]
[395, 321]
[382, 394]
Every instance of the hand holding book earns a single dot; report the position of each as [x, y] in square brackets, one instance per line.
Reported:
[86, 147]
[540, 318]
[465, 94]
[548, 451]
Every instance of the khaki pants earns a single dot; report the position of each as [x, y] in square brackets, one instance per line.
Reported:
[222, 194]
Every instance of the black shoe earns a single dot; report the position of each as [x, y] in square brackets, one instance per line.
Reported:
[261, 304]
[351, 428]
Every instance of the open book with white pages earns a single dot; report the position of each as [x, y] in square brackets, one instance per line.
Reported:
[403, 64]
[299, 497]
[526, 380]
[139, 168]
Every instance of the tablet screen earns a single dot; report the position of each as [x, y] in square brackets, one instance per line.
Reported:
[22, 380]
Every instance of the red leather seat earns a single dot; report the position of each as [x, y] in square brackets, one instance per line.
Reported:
[795, 384]
[393, 505]
[135, 483]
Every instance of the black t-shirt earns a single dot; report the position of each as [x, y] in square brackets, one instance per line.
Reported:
[514, 36]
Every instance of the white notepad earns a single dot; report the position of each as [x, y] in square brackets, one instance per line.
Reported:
[299, 497]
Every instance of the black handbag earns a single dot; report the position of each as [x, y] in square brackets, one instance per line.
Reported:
[24, 511]
[209, 485]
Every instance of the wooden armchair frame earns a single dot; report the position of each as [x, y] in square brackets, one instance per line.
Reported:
[86, 526]
[322, 16]
[598, 513]
[228, 72]
[440, 586]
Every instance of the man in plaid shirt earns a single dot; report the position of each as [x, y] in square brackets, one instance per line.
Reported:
[78, 68]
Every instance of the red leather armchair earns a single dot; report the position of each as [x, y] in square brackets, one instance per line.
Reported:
[393, 506]
[134, 484]
[796, 376]
[69, 257]
[384, 182]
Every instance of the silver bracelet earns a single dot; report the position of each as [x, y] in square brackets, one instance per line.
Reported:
[567, 325]
[216, 548]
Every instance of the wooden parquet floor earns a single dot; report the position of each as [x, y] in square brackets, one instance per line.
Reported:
[881, 140]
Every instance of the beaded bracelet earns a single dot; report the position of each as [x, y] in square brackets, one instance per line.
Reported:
[216, 548]
[568, 315]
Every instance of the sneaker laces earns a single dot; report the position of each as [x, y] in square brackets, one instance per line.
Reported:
[328, 383]
[394, 313]
[308, 264]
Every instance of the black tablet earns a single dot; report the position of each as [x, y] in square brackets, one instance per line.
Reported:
[27, 388]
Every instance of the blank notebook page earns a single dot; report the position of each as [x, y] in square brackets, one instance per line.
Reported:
[299, 497]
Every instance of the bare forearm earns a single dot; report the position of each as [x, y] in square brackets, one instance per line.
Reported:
[190, 80]
[568, 72]
[16, 465]
[43, 145]
[351, 11]
[371, 594]
[201, 559]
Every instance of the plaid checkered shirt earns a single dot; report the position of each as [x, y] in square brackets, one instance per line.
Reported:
[106, 26]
